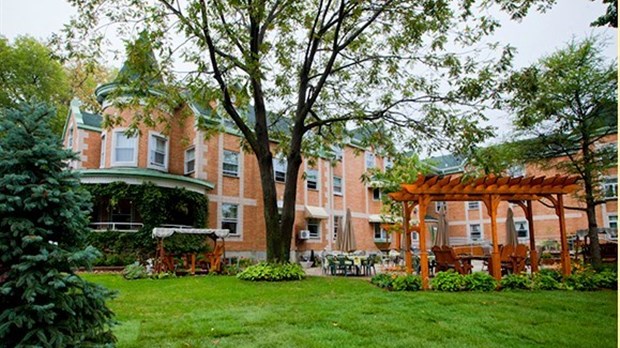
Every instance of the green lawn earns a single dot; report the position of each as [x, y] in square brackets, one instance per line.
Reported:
[337, 312]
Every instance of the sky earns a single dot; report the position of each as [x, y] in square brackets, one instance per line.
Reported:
[537, 35]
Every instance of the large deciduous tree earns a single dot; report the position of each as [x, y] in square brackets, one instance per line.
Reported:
[392, 69]
[568, 103]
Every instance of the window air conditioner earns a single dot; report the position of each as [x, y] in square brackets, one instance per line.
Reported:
[304, 234]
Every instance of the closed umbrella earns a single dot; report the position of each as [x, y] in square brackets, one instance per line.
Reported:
[345, 241]
[441, 237]
[511, 231]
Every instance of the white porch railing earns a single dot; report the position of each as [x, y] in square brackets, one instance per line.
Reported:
[116, 226]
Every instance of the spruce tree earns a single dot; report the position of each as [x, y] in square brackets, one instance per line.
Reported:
[43, 221]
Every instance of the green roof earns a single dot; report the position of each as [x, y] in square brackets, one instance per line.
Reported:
[146, 175]
[93, 120]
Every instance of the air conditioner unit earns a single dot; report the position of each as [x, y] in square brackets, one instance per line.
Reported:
[304, 234]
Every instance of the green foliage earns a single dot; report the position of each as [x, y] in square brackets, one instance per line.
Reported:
[407, 282]
[555, 274]
[448, 281]
[546, 281]
[607, 279]
[135, 271]
[382, 280]
[610, 18]
[273, 272]
[479, 281]
[43, 221]
[516, 282]
[582, 281]
[156, 206]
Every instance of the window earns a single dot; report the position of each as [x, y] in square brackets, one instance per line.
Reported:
[439, 205]
[70, 139]
[516, 170]
[102, 154]
[613, 221]
[380, 234]
[370, 160]
[314, 226]
[337, 185]
[190, 160]
[279, 169]
[475, 233]
[522, 228]
[376, 194]
[337, 226]
[158, 151]
[473, 205]
[230, 166]
[312, 176]
[388, 163]
[337, 150]
[124, 149]
[229, 217]
[610, 187]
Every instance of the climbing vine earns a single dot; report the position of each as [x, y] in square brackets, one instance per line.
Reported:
[155, 206]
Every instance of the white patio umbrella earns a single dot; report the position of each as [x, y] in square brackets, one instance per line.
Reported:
[511, 231]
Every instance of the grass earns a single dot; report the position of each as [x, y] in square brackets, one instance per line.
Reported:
[336, 312]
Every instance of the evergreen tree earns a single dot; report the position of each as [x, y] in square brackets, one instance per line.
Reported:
[43, 219]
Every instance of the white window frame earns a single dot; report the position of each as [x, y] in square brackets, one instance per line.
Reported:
[516, 170]
[102, 154]
[152, 148]
[186, 160]
[612, 219]
[527, 228]
[471, 229]
[132, 163]
[376, 197]
[473, 205]
[377, 230]
[370, 160]
[70, 138]
[231, 220]
[387, 163]
[610, 182]
[279, 166]
[227, 172]
[312, 173]
[337, 192]
[439, 204]
[314, 222]
[338, 226]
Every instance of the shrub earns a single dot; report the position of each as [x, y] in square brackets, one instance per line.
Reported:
[382, 280]
[407, 282]
[546, 281]
[448, 281]
[479, 281]
[555, 274]
[607, 279]
[582, 281]
[516, 282]
[43, 222]
[272, 272]
[135, 271]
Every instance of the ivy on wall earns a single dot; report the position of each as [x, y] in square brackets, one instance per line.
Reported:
[156, 206]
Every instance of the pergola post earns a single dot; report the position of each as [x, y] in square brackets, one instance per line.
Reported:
[565, 257]
[529, 215]
[492, 202]
[407, 216]
[423, 202]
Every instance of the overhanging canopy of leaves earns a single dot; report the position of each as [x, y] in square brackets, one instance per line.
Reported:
[567, 104]
[415, 68]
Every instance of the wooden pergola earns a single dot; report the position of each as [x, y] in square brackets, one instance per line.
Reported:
[491, 190]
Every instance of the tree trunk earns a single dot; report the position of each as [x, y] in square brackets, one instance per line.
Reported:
[595, 249]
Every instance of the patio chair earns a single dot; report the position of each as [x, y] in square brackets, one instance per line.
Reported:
[459, 265]
[505, 257]
[344, 265]
[441, 264]
[329, 265]
[369, 265]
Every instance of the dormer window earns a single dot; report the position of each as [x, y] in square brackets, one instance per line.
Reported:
[158, 151]
[370, 160]
[124, 151]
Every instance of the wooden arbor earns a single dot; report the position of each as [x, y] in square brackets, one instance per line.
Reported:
[491, 190]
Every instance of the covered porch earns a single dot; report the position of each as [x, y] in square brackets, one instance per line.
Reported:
[490, 190]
